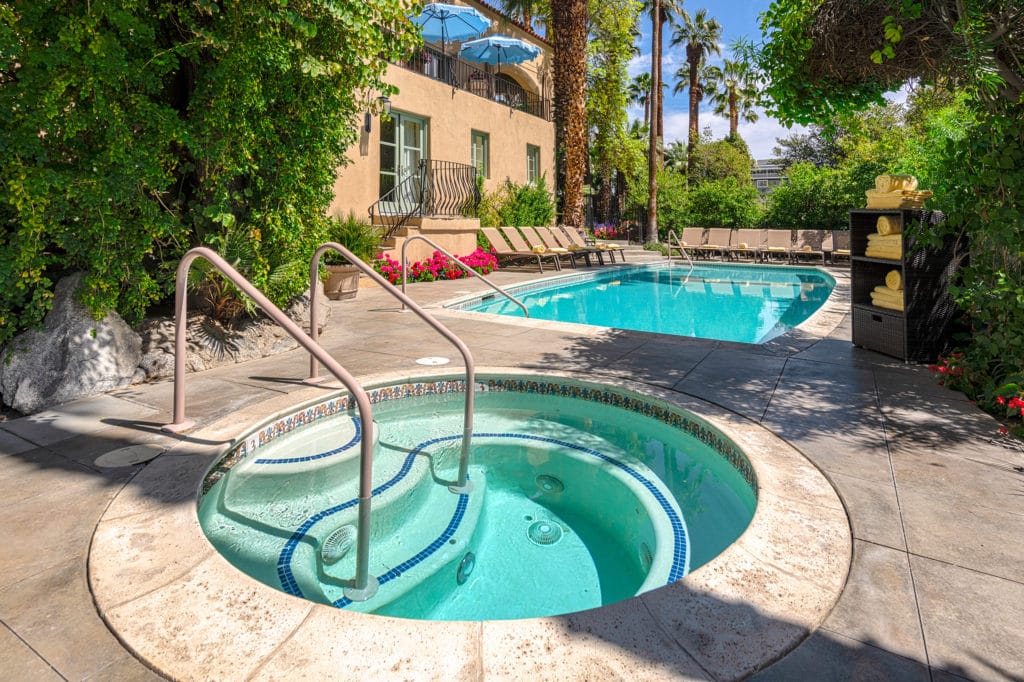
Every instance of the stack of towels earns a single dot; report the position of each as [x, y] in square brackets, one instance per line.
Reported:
[889, 295]
[886, 241]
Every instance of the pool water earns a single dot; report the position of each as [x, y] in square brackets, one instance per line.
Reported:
[745, 303]
[575, 504]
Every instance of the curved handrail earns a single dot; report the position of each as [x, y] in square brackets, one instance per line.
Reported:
[471, 271]
[679, 244]
[365, 586]
[461, 485]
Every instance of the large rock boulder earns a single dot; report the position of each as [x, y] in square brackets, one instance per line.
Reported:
[72, 356]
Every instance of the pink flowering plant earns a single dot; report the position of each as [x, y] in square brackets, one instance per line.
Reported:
[608, 231]
[1004, 401]
[438, 266]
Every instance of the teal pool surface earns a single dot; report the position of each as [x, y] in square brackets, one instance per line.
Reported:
[749, 304]
[582, 496]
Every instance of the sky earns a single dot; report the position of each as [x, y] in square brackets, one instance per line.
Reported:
[739, 18]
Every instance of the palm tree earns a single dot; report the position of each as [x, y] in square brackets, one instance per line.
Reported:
[569, 31]
[733, 92]
[700, 35]
[640, 93]
[675, 156]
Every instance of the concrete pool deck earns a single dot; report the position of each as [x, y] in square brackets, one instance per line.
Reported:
[935, 500]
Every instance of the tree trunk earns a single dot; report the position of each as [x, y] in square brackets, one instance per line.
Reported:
[569, 19]
[734, 114]
[693, 57]
[604, 194]
[652, 152]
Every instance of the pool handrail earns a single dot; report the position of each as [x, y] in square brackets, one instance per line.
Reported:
[461, 485]
[679, 245]
[454, 259]
[365, 585]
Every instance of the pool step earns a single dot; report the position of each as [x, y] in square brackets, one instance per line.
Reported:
[433, 537]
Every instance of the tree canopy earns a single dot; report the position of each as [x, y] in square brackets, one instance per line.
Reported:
[135, 129]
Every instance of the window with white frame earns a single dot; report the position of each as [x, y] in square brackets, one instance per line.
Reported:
[532, 162]
[480, 152]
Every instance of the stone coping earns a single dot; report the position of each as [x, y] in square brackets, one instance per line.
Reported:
[180, 607]
[814, 328]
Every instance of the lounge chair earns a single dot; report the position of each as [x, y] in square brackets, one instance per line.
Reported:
[747, 244]
[691, 239]
[511, 254]
[717, 241]
[551, 238]
[535, 238]
[808, 245]
[577, 239]
[777, 244]
[839, 245]
[586, 251]
[516, 240]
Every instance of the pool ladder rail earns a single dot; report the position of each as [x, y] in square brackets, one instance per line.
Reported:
[674, 242]
[365, 586]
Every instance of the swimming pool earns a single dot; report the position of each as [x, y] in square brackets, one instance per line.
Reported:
[728, 302]
[583, 495]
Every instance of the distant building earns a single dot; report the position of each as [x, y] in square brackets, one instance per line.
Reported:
[766, 174]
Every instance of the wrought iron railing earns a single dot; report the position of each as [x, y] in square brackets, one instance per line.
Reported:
[434, 188]
[479, 79]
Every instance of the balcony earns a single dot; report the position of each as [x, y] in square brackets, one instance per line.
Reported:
[479, 79]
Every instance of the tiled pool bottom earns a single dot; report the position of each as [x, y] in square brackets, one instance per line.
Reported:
[181, 608]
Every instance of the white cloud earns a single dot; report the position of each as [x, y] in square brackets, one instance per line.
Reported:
[760, 136]
[639, 64]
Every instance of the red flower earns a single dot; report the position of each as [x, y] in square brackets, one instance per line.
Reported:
[1001, 400]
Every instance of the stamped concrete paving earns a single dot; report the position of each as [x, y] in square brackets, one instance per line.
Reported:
[936, 500]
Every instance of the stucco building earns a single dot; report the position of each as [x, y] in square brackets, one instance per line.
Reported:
[451, 116]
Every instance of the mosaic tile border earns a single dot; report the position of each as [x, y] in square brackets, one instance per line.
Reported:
[634, 403]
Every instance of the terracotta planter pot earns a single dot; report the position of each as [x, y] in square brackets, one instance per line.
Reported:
[342, 282]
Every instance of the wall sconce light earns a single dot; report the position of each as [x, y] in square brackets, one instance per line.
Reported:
[385, 107]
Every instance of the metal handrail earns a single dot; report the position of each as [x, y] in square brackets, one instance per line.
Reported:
[436, 188]
[365, 585]
[679, 245]
[454, 259]
[461, 485]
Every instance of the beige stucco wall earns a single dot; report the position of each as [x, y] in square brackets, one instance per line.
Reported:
[451, 115]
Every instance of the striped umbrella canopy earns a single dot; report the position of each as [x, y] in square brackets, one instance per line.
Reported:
[442, 22]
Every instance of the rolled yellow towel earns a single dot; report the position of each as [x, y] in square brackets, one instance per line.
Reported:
[558, 249]
[895, 183]
[879, 239]
[887, 225]
[887, 252]
[888, 305]
[540, 248]
[743, 245]
[882, 291]
[894, 280]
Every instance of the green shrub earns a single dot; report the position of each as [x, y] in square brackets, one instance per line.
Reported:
[133, 131]
[527, 205]
[356, 235]
[723, 203]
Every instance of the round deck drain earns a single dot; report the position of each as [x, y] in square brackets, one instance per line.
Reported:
[433, 360]
[338, 544]
[130, 456]
[544, 532]
[549, 484]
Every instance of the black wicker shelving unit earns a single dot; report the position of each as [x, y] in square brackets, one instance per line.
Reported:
[922, 331]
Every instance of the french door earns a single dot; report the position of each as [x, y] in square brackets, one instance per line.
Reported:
[403, 144]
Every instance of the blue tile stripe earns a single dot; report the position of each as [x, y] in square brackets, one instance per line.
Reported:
[290, 585]
[289, 460]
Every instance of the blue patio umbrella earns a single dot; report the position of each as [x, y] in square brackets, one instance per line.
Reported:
[498, 50]
[442, 22]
